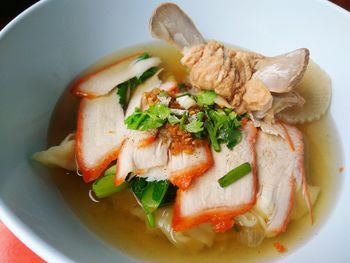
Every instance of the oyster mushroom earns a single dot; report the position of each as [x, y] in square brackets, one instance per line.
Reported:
[169, 23]
[280, 74]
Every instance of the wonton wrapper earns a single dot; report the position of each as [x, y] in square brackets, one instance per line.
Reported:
[315, 88]
[62, 155]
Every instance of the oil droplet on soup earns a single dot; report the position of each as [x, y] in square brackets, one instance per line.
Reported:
[112, 221]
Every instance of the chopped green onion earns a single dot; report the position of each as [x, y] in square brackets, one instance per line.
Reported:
[105, 186]
[235, 174]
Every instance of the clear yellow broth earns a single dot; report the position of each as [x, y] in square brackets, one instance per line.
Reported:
[112, 221]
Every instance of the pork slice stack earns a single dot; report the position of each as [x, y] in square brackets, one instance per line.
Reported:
[205, 201]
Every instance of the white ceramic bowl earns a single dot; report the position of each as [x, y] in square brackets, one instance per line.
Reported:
[47, 45]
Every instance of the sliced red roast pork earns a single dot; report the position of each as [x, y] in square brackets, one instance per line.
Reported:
[100, 133]
[280, 169]
[103, 81]
[183, 168]
[206, 201]
[138, 160]
[141, 150]
[296, 139]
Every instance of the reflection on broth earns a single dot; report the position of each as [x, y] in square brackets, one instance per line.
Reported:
[113, 222]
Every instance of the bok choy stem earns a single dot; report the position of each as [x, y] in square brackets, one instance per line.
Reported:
[105, 186]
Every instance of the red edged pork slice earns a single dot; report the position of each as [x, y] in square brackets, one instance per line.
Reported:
[141, 150]
[103, 81]
[158, 173]
[296, 139]
[136, 99]
[138, 160]
[205, 201]
[183, 167]
[152, 155]
[170, 86]
[100, 133]
[275, 163]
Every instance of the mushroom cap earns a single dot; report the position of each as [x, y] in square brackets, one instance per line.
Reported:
[169, 23]
[282, 73]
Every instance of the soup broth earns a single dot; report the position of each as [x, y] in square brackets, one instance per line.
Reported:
[112, 221]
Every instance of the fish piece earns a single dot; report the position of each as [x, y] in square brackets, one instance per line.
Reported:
[207, 202]
[100, 133]
[104, 80]
[183, 168]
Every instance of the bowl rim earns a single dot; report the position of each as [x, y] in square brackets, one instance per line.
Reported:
[19, 228]
[8, 218]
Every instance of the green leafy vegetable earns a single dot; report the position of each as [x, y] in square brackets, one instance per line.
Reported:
[182, 121]
[200, 115]
[147, 74]
[230, 136]
[159, 110]
[125, 89]
[104, 186]
[143, 56]
[222, 128]
[235, 174]
[212, 130]
[182, 87]
[150, 195]
[169, 196]
[194, 126]
[138, 186]
[172, 119]
[154, 117]
[206, 97]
